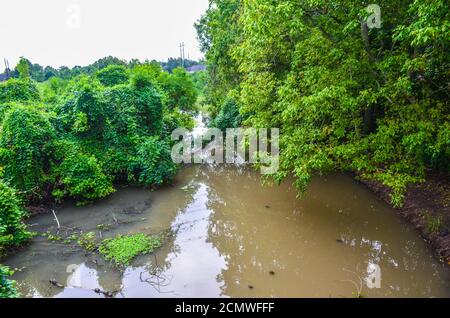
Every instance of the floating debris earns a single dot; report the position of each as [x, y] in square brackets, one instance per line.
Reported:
[105, 293]
[55, 283]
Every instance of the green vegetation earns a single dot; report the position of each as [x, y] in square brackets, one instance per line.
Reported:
[25, 68]
[81, 132]
[7, 286]
[434, 224]
[124, 248]
[13, 231]
[121, 249]
[88, 241]
[345, 96]
[113, 75]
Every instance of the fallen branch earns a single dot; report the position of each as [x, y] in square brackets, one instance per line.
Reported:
[55, 283]
[56, 218]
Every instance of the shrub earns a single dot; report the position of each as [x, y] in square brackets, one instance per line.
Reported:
[13, 231]
[134, 111]
[84, 102]
[18, 90]
[145, 75]
[112, 75]
[154, 162]
[25, 147]
[7, 286]
[82, 177]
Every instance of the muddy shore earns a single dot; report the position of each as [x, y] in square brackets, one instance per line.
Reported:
[427, 208]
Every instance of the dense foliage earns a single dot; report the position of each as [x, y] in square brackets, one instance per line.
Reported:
[12, 229]
[346, 96]
[7, 286]
[82, 136]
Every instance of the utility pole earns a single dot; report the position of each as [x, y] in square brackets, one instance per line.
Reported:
[7, 70]
[182, 53]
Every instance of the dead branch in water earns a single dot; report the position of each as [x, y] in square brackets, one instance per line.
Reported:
[156, 280]
[56, 218]
[358, 288]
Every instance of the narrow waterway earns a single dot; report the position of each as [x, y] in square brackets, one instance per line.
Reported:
[235, 237]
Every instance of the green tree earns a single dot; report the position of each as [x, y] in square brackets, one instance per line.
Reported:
[347, 97]
[179, 90]
[23, 68]
[112, 75]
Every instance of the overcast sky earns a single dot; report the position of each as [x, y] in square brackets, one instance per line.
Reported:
[78, 32]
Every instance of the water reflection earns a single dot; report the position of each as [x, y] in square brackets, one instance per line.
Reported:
[195, 264]
[234, 237]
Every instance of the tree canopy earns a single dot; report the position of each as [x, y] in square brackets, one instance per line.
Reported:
[346, 97]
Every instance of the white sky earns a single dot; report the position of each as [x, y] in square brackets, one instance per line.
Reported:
[47, 31]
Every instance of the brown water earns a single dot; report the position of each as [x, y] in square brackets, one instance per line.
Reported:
[234, 237]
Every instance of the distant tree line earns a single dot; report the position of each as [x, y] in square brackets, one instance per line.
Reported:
[41, 73]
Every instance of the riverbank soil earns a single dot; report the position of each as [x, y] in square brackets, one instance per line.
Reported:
[427, 207]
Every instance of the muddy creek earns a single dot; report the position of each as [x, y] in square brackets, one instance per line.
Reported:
[234, 237]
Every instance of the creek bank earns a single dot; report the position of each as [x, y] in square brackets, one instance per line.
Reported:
[427, 207]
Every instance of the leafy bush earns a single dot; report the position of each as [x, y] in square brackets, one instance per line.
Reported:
[82, 177]
[53, 89]
[91, 130]
[113, 75]
[84, 102]
[13, 231]
[25, 147]
[18, 90]
[148, 109]
[7, 286]
[154, 162]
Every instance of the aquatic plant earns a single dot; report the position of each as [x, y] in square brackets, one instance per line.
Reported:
[88, 241]
[124, 248]
[52, 237]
